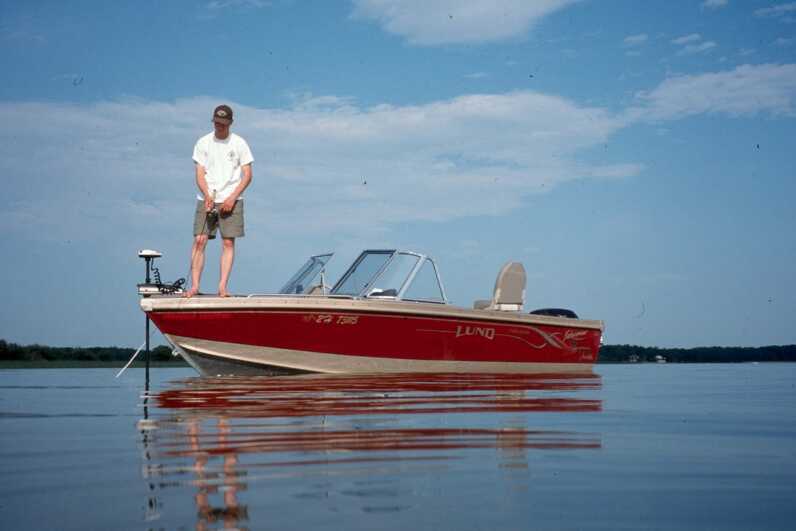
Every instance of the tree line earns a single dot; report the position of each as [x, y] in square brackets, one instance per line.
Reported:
[608, 354]
[636, 354]
[41, 353]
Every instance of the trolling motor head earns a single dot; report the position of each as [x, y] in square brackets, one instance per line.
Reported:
[148, 287]
[149, 254]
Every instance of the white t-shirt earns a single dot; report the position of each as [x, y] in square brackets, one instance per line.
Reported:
[222, 161]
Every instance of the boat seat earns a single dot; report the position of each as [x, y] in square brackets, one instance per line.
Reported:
[509, 294]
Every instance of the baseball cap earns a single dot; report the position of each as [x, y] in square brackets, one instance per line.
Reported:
[223, 114]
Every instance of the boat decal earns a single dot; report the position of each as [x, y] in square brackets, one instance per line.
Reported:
[537, 347]
[554, 339]
[486, 332]
[326, 318]
[575, 335]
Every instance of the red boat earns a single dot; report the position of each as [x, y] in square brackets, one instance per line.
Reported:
[387, 313]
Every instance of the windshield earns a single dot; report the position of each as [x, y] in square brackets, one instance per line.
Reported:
[425, 285]
[362, 272]
[304, 279]
[392, 274]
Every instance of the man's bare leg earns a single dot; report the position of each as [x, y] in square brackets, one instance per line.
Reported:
[197, 263]
[227, 258]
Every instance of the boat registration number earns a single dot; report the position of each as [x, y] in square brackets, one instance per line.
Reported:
[325, 318]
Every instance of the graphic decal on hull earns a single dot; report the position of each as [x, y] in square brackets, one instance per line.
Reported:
[569, 342]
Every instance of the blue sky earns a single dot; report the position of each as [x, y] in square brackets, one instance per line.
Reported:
[637, 157]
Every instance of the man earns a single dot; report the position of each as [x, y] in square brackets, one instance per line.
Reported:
[223, 171]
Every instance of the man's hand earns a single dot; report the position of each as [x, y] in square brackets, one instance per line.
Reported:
[208, 204]
[228, 205]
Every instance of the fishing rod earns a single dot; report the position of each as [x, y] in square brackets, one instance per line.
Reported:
[210, 216]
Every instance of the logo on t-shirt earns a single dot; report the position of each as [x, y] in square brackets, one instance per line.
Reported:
[231, 155]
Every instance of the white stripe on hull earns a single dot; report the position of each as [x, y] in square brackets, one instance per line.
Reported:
[341, 364]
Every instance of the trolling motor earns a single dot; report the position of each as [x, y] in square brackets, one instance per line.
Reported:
[153, 285]
[147, 288]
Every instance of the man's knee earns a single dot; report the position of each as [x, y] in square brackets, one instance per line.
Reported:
[200, 241]
[229, 243]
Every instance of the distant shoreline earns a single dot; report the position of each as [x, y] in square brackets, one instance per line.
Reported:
[9, 365]
[637, 354]
[31, 356]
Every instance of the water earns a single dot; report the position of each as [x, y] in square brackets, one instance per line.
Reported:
[629, 447]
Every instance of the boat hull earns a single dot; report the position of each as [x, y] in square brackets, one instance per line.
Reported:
[212, 358]
[347, 337]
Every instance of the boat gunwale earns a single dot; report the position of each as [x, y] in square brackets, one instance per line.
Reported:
[315, 303]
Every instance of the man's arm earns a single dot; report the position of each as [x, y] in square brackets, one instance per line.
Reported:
[201, 182]
[245, 180]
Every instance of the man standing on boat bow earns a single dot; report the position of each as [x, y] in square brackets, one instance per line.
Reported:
[223, 171]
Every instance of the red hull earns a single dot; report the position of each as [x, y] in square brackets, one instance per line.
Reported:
[387, 336]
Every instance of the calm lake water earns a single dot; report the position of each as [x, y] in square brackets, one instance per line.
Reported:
[628, 447]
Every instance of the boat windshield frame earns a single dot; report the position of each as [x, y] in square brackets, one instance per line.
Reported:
[369, 291]
[307, 274]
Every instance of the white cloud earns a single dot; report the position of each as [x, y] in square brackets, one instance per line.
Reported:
[427, 22]
[324, 166]
[746, 90]
[685, 39]
[782, 41]
[23, 36]
[329, 167]
[635, 40]
[476, 75]
[776, 11]
[23, 30]
[226, 4]
[713, 4]
[692, 49]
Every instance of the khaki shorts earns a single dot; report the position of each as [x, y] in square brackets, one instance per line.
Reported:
[231, 224]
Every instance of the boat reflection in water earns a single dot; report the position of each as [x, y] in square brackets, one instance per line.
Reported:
[308, 437]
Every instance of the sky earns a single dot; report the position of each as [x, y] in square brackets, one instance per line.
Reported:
[637, 157]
